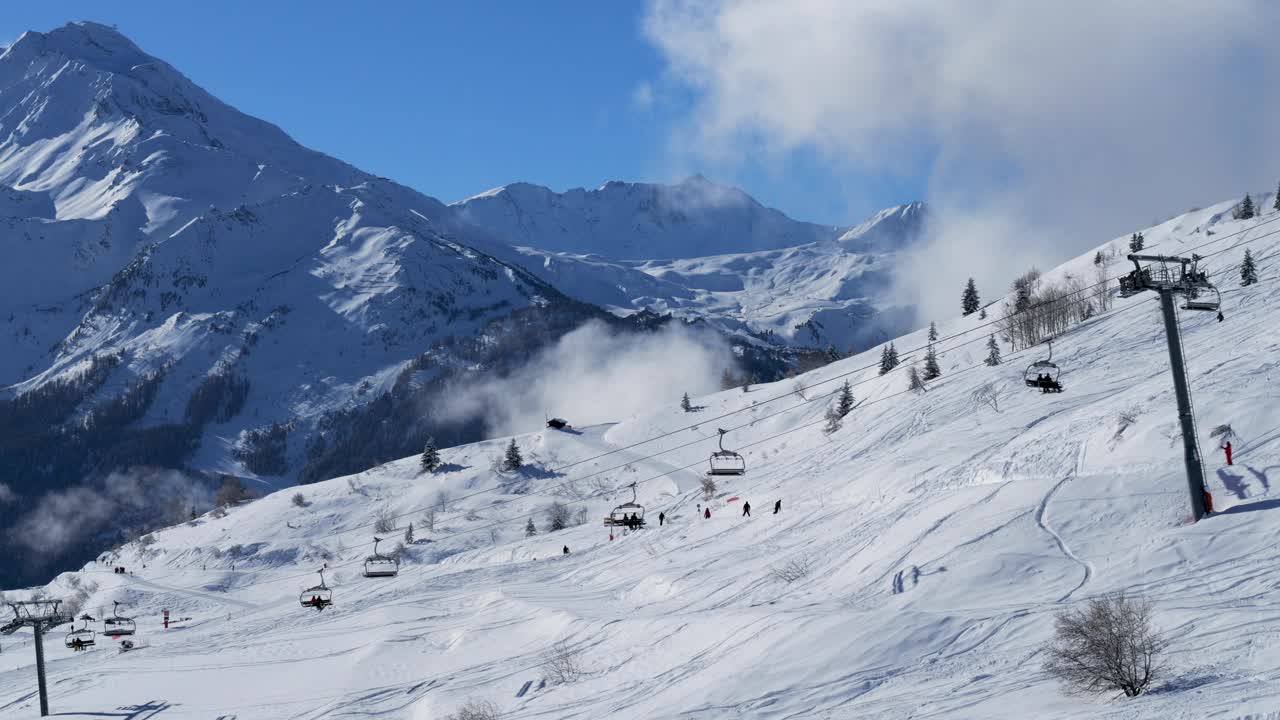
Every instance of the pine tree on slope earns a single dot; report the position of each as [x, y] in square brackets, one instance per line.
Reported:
[931, 369]
[685, 405]
[1248, 270]
[969, 301]
[933, 332]
[1245, 210]
[844, 403]
[513, 460]
[530, 529]
[993, 352]
[430, 456]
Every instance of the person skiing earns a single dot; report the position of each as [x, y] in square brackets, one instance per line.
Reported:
[706, 514]
[1227, 449]
[1208, 503]
[746, 509]
[566, 550]
[1220, 317]
[777, 506]
[662, 518]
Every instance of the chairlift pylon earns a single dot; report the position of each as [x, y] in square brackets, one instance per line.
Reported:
[317, 596]
[1043, 374]
[83, 638]
[377, 565]
[628, 514]
[118, 625]
[726, 462]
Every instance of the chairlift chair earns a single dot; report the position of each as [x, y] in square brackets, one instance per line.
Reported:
[317, 596]
[1204, 298]
[81, 639]
[118, 625]
[726, 462]
[377, 565]
[1043, 374]
[628, 514]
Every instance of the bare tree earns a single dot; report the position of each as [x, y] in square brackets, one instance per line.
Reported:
[988, 394]
[428, 520]
[1108, 645]
[795, 569]
[915, 383]
[580, 517]
[563, 663]
[558, 516]
[384, 521]
[798, 387]
[708, 487]
[299, 500]
[443, 498]
[474, 709]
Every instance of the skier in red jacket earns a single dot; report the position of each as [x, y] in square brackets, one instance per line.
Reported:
[706, 514]
[1227, 449]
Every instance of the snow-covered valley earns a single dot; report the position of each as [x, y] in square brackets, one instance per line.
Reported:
[936, 535]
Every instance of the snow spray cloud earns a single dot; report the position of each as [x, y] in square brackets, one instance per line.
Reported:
[142, 497]
[1046, 128]
[594, 375]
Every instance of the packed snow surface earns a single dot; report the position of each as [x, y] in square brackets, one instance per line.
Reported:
[940, 537]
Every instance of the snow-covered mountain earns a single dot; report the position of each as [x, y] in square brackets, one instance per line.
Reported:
[701, 250]
[920, 553]
[638, 221]
[185, 286]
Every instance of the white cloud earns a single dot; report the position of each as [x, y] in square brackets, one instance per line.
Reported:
[593, 375]
[1048, 127]
[7, 495]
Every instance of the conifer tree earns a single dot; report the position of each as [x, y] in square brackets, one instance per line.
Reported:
[430, 456]
[844, 403]
[685, 405]
[408, 535]
[1136, 241]
[1248, 270]
[993, 352]
[933, 332]
[884, 360]
[982, 314]
[513, 460]
[1245, 210]
[893, 356]
[969, 301]
[931, 369]
[1276, 204]
[530, 529]
[1099, 258]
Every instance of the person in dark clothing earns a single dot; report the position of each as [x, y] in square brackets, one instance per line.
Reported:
[566, 550]
[662, 518]
[706, 514]
[777, 507]
[746, 509]
[1220, 318]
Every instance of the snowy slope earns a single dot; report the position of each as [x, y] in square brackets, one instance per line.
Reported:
[941, 538]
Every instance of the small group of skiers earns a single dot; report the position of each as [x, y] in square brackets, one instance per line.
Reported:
[746, 510]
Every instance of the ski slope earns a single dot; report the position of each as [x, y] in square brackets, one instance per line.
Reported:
[941, 538]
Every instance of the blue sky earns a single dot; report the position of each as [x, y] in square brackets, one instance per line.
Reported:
[456, 98]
